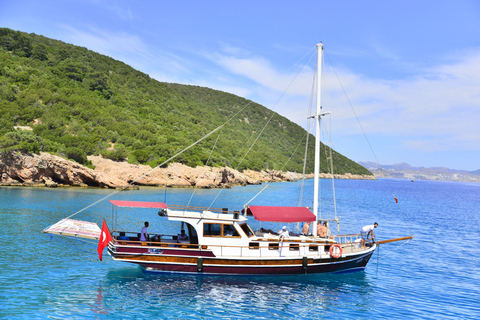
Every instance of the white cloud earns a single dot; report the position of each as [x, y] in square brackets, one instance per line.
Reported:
[437, 109]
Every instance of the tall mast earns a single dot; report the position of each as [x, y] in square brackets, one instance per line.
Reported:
[318, 116]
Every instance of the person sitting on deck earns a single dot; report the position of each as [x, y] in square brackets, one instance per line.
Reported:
[306, 228]
[123, 236]
[144, 233]
[182, 237]
[366, 232]
[321, 230]
[283, 234]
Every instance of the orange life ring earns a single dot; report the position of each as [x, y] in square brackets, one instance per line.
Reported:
[334, 253]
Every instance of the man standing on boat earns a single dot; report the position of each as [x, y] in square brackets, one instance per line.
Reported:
[282, 234]
[366, 232]
[144, 233]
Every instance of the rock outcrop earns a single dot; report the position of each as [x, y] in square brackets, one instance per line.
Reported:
[45, 169]
[49, 170]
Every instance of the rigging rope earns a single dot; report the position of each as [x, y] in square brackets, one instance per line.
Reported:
[206, 163]
[361, 127]
[166, 161]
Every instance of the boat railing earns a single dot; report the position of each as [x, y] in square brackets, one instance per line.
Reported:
[268, 248]
[348, 238]
[160, 244]
[135, 237]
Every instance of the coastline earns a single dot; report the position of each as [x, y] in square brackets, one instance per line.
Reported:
[47, 170]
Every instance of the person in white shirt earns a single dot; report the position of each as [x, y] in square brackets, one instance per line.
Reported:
[182, 237]
[282, 234]
[144, 233]
[366, 232]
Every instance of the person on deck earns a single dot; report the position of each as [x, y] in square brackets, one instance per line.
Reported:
[144, 233]
[182, 237]
[282, 234]
[321, 230]
[306, 228]
[123, 236]
[366, 232]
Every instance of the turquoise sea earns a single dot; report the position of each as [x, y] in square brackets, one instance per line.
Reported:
[434, 276]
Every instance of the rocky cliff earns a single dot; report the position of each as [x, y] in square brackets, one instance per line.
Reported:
[45, 169]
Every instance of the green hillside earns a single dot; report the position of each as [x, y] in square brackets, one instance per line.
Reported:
[81, 103]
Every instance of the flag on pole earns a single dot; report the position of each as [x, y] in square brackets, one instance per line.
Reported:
[104, 240]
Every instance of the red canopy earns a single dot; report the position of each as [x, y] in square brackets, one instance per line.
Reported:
[139, 204]
[281, 214]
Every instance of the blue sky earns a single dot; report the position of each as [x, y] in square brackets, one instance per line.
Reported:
[411, 69]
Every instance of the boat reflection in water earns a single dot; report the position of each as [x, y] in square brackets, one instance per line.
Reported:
[264, 296]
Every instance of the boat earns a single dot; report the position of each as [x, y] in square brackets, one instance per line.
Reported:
[220, 241]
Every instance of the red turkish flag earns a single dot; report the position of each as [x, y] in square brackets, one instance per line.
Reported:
[104, 240]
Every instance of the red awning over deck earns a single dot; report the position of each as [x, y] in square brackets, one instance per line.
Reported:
[139, 204]
[281, 214]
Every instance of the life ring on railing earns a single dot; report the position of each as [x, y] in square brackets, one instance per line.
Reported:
[336, 251]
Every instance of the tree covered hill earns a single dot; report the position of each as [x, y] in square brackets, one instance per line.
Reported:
[81, 103]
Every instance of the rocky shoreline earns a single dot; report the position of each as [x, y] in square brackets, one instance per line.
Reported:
[47, 170]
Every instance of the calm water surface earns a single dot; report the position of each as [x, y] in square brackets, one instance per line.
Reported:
[434, 276]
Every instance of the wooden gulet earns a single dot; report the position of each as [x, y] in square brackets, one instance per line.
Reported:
[221, 242]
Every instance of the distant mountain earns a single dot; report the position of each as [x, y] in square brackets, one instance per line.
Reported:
[475, 172]
[406, 171]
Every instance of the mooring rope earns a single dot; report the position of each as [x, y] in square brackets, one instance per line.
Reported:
[404, 243]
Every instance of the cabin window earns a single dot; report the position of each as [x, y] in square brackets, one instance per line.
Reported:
[219, 230]
[273, 246]
[212, 229]
[230, 231]
[313, 247]
[247, 230]
[254, 245]
[294, 247]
